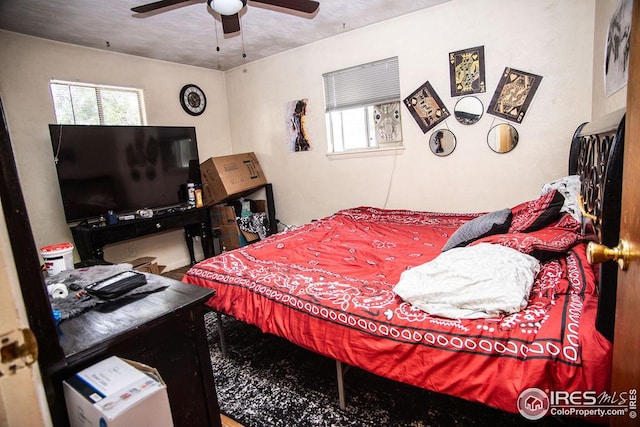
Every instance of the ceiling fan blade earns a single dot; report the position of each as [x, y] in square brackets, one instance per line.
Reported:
[156, 5]
[230, 23]
[306, 6]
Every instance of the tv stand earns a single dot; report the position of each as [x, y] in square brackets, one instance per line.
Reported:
[90, 239]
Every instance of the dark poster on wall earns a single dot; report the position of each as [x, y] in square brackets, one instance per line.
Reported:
[466, 71]
[514, 94]
[425, 106]
[296, 132]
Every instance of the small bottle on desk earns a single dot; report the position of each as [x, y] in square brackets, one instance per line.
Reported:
[111, 218]
[198, 193]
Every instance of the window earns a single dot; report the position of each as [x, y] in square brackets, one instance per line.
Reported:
[363, 107]
[87, 104]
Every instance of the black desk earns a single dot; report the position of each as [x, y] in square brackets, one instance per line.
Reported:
[90, 239]
[164, 330]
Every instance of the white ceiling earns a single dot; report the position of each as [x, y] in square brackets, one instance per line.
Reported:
[189, 33]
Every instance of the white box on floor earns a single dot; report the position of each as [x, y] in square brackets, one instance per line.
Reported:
[117, 393]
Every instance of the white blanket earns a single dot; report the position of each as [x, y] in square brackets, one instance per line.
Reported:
[471, 282]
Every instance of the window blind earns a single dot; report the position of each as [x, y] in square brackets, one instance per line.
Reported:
[368, 84]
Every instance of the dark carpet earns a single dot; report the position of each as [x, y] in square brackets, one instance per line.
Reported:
[265, 381]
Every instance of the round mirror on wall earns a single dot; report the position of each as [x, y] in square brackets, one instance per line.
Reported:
[468, 110]
[442, 142]
[502, 138]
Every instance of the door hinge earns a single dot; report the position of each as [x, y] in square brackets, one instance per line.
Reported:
[19, 350]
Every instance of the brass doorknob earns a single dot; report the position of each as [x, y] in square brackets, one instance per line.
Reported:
[597, 253]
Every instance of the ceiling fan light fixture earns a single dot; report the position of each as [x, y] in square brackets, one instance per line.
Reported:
[227, 7]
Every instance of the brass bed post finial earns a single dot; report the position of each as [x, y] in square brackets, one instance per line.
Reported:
[584, 211]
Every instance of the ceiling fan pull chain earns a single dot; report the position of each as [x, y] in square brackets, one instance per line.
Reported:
[215, 27]
[244, 55]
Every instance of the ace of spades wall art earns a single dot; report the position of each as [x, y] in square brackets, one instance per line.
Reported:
[514, 94]
[466, 71]
[425, 106]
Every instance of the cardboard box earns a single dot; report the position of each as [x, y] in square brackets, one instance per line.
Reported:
[261, 205]
[147, 264]
[223, 215]
[249, 237]
[117, 393]
[224, 218]
[226, 177]
[230, 237]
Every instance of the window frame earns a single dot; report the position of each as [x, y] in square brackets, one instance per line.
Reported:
[361, 87]
[99, 88]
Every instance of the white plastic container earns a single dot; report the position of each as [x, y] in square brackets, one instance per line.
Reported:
[57, 258]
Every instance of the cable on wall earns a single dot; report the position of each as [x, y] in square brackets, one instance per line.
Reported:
[393, 170]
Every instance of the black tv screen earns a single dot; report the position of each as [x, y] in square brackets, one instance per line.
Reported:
[123, 168]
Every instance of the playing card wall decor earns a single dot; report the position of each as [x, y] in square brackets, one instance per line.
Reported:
[466, 71]
[425, 106]
[514, 94]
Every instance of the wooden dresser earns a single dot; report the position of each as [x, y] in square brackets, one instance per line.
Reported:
[164, 330]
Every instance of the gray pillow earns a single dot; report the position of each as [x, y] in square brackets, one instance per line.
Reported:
[492, 223]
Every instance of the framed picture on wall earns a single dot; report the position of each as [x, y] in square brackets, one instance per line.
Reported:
[387, 122]
[425, 106]
[295, 112]
[616, 61]
[466, 71]
[514, 94]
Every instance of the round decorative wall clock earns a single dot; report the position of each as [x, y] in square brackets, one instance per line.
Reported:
[193, 100]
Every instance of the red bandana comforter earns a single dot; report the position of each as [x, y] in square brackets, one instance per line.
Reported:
[328, 286]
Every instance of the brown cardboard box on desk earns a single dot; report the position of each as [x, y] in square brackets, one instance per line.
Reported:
[226, 177]
[117, 393]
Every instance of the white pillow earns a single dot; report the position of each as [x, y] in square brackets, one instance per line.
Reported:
[479, 281]
[569, 187]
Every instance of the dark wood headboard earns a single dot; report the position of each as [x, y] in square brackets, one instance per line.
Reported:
[596, 155]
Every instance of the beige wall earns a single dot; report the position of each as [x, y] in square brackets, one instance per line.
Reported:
[27, 66]
[603, 105]
[552, 38]
[246, 113]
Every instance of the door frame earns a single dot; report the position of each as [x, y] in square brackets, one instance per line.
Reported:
[29, 274]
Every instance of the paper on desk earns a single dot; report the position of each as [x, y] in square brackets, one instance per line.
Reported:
[111, 375]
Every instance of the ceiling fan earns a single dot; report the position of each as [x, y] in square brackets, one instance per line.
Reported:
[229, 9]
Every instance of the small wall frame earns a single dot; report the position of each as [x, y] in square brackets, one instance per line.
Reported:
[502, 138]
[442, 142]
[468, 110]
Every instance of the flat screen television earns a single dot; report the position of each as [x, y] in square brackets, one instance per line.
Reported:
[123, 168]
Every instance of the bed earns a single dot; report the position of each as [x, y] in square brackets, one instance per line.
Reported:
[332, 285]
